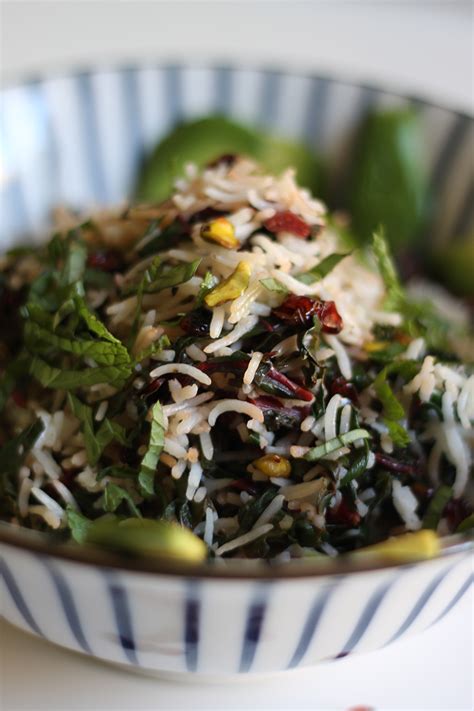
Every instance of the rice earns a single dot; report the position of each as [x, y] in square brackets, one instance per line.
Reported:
[292, 370]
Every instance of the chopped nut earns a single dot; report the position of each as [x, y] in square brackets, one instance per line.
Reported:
[230, 288]
[220, 231]
[273, 465]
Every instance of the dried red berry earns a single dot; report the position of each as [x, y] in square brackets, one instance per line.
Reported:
[342, 514]
[196, 323]
[300, 310]
[105, 260]
[19, 398]
[340, 386]
[288, 222]
[327, 313]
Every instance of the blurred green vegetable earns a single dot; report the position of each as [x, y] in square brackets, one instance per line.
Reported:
[144, 537]
[388, 185]
[206, 139]
[454, 265]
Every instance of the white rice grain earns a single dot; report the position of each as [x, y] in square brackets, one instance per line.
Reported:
[182, 368]
[342, 357]
[217, 322]
[243, 540]
[233, 405]
[252, 367]
[239, 330]
[272, 509]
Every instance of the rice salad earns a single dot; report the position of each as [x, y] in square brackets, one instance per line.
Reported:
[224, 361]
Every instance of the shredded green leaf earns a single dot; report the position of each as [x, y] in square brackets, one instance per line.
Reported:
[357, 468]
[436, 506]
[331, 445]
[322, 269]
[146, 476]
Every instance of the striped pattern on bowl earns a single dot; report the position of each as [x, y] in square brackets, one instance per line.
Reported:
[79, 139]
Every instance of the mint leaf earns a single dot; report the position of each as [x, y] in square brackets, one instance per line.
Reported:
[78, 524]
[113, 497]
[146, 476]
[161, 276]
[64, 379]
[95, 441]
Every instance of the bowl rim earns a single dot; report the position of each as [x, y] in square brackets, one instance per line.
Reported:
[40, 543]
[32, 78]
[252, 570]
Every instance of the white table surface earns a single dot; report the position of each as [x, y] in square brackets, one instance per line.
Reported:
[423, 47]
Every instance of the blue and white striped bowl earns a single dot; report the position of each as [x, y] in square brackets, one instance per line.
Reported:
[78, 140]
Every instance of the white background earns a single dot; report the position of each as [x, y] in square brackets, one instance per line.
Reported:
[421, 47]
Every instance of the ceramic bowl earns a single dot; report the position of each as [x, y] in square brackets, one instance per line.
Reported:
[78, 139]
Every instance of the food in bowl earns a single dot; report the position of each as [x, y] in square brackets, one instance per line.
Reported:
[221, 368]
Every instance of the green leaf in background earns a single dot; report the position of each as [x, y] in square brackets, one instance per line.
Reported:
[388, 183]
[454, 265]
[146, 476]
[206, 139]
[322, 269]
